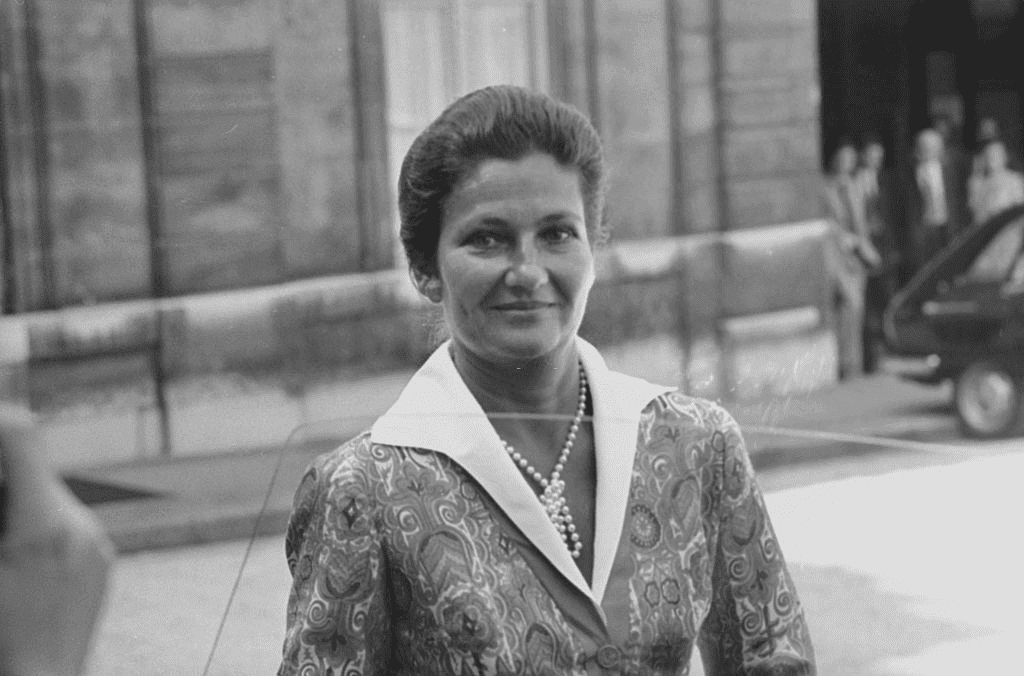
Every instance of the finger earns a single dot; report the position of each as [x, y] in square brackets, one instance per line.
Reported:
[59, 581]
[78, 534]
[31, 487]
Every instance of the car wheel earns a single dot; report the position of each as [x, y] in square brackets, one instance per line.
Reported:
[988, 400]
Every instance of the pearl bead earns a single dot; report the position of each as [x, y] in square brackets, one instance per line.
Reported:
[552, 499]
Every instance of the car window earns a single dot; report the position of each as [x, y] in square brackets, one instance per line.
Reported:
[999, 256]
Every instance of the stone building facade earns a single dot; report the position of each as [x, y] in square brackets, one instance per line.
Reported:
[198, 204]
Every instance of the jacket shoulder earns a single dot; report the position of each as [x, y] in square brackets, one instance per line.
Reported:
[703, 413]
[701, 429]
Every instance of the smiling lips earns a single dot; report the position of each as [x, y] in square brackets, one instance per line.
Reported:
[522, 305]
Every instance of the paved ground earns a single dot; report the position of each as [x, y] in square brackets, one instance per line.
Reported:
[912, 572]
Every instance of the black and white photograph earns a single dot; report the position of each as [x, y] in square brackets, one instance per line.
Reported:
[511, 337]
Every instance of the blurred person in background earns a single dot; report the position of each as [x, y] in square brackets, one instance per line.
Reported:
[54, 561]
[936, 197]
[994, 186]
[875, 184]
[988, 131]
[522, 508]
[851, 255]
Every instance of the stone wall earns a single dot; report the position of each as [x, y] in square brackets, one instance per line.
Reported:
[90, 242]
[228, 143]
[769, 94]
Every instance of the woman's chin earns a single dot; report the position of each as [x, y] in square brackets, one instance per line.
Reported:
[521, 346]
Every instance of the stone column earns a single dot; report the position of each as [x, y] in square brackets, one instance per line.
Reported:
[376, 194]
[697, 187]
[95, 176]
[695, 152]
[569, 39]
[17, 165]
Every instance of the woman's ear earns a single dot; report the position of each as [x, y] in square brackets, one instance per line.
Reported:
[429, 286]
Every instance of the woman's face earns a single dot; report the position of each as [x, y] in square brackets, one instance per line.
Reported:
[514, 259]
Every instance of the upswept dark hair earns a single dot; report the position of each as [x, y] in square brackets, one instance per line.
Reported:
[501, 122]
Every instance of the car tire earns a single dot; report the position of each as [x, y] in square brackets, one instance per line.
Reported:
[989, 400]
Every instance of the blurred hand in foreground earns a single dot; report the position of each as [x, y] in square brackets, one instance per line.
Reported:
[54, 561]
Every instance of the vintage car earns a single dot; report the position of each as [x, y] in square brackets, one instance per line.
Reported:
[961, 318]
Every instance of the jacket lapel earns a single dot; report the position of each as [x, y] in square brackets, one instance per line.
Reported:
[437, 412]
[618, 402]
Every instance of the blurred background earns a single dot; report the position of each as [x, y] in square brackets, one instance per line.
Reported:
[201, 268]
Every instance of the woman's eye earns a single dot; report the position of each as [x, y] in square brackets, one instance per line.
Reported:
[483, 240]
[559, 234]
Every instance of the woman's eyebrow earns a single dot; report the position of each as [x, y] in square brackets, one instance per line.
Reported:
[560, 216]
[493, 221]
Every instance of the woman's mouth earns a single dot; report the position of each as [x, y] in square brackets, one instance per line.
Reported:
[522, 306]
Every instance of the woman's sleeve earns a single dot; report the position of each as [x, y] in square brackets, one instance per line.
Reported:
[337, 619]
[755, 623]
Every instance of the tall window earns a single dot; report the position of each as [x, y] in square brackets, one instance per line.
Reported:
[437, 50]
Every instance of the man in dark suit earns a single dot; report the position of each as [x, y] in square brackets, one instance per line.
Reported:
[875, 182]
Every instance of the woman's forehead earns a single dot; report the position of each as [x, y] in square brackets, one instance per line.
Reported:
[533, 179]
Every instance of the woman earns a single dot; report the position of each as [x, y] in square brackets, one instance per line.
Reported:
[521, 508]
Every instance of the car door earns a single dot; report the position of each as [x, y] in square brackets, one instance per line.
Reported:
[983, 308]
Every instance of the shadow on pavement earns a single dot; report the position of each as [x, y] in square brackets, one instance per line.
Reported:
[857, 625]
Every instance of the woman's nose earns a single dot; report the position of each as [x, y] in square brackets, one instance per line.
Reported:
[526, 272]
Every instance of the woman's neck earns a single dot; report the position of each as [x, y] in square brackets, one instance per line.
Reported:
[547, 385]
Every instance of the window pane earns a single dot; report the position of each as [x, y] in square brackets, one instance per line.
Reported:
[499, 49]
[420, 57]
[416, 62]
[995, 260]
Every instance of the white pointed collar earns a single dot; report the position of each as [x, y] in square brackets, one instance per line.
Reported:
[437, 412]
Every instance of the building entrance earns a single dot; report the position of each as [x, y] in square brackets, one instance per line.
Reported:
[891, 68]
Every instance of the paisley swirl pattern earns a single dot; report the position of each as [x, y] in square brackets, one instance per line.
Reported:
[402, 565]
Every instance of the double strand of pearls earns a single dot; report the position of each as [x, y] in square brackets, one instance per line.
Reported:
[553, 495]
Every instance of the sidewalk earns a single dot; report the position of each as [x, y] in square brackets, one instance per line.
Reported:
[213, 498]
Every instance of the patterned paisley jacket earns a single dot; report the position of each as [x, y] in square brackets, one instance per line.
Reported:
[419, 548]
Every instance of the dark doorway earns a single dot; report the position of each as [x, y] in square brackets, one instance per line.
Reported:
[891, 68]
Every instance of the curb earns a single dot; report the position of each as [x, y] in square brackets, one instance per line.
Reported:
[222, 528]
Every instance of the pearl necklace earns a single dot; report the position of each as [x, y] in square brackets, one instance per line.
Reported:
[553, 497]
